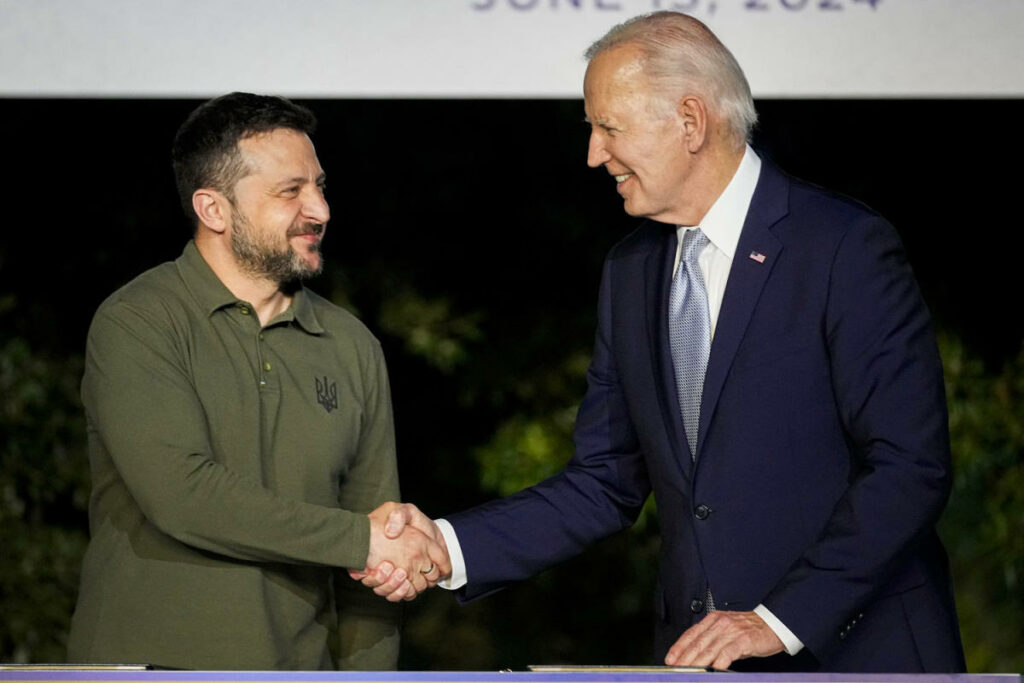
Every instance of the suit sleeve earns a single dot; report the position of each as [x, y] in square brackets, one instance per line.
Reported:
[601, 490]
[888, 387]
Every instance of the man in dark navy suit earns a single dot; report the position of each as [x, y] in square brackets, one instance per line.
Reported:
[765, 364]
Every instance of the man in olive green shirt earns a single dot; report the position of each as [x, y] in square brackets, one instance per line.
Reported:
[240, 430]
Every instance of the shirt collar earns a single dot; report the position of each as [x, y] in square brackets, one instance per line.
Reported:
[304, 312]
[724, 220]
[212, 295]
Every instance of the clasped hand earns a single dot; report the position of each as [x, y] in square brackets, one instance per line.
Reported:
[407, 554]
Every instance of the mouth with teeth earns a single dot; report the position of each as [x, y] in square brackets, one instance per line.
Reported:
[621, 178]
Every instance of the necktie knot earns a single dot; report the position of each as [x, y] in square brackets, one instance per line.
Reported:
[694, 242]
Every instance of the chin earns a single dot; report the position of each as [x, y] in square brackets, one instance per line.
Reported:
[634, 211]
[304, 267]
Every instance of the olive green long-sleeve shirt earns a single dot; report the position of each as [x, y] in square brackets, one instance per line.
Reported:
[233, 467]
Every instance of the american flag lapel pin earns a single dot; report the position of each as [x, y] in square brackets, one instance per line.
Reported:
[757, 256]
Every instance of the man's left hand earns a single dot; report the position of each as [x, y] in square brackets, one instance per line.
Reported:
[721, 638]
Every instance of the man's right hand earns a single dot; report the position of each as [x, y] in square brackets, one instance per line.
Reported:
[407, 554]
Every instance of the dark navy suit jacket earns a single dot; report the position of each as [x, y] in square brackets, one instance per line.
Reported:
[823, 460]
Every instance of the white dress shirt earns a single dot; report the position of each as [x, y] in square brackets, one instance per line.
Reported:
[722, 226]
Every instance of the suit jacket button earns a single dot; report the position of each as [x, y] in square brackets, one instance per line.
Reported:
[701, 512]
[697, 606]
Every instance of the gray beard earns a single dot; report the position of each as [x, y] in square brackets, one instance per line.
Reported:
[263, 261]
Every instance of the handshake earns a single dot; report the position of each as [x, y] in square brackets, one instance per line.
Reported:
[407, 554]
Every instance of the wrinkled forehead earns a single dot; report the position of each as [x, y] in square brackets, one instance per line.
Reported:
[615, 81]
[620, 63]
[616, 74]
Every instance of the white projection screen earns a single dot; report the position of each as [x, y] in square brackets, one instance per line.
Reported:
[493, 48]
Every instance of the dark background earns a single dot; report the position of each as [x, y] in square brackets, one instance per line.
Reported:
[491, 201]
[469, 236]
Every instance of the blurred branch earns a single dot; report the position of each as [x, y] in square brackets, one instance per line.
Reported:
[984, 522]
[429, 329]
[43, 496]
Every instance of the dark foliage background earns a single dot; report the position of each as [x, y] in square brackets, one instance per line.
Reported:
[469, 236]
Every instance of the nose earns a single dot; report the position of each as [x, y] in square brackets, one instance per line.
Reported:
[596, 153]
[315, 207]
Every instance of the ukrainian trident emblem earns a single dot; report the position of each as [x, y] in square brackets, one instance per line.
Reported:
[326, 394]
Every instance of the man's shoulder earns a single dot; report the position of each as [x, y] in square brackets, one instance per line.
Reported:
[153, 309]
[820, 221]
[807, 200]
[808, 196]
[815, 224]
[157, 289]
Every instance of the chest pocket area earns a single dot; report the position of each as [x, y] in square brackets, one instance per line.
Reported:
[318, 432]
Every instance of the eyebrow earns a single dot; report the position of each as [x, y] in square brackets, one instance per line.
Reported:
[600, 123]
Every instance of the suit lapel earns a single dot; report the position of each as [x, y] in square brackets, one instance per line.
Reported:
[747, 278]
[657, 281]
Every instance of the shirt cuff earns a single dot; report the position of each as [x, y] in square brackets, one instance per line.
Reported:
[458, 578]
[789, 640]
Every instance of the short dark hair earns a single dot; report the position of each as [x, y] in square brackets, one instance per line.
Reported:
[205, 151]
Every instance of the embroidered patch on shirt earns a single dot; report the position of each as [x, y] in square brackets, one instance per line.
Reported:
[327, 393]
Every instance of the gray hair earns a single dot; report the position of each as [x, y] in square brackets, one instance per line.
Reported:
[682, 56]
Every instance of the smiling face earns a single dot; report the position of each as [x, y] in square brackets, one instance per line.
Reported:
[637, 136]
[279, 213]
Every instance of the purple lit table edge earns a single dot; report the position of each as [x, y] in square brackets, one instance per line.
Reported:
[157, 676]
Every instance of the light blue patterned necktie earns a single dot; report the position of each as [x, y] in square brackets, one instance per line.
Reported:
[689, 332]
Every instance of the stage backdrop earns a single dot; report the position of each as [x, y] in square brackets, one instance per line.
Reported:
[492, 48]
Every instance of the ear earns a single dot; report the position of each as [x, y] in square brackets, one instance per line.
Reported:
[212, 208]
[694, 116]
